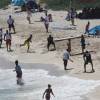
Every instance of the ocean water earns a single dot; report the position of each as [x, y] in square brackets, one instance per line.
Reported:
[36, 80]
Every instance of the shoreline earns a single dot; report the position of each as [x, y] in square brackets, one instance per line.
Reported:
[39, 53]
[92, 95]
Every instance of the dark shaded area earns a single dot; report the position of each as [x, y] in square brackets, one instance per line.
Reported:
[4, 3]
[65, 4]
[89, 13]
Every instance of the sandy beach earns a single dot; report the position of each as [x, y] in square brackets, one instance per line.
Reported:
[39, 53]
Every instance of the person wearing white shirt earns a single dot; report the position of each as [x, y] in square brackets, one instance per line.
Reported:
[46, 23]
[10, 23]
[8, 38]
[66, 57]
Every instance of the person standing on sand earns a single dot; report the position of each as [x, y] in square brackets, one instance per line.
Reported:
[87, 27]
[87, 59]
[73, 20]
[10, 22]
[8, 38]
[1, 33]
[69, 45]
[73, 15]
[18, 72]
[27, 42]
[46, 23]
[83, 44]
[66, 57]
[47, 93]
[50, 41]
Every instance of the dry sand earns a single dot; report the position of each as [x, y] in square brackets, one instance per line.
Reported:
[38, 52]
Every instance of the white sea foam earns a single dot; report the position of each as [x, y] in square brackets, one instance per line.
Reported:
[36, 81]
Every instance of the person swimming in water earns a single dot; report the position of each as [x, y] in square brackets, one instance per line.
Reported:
[47, 92]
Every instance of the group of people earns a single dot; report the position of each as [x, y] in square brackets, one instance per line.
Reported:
[50, 41]
[72, 14]
[66, 55]
[48, 18]
[86, 54]
[90, 13]
[86, 57]
[7, 36]
[47, 93]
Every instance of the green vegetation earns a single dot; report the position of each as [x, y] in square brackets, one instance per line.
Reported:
[4, 3]
[64, 4]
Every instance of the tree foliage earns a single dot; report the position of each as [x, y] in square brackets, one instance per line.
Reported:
[63, 4]
[4, 3]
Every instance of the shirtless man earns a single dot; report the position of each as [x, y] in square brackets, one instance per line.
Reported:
[50, 41]
[87, 59]
[47, 92]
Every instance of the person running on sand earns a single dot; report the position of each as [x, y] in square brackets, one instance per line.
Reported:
[10, 22]
[87, 59]
[83, 44]
[18, 72]
[27, 42]
[47, 93]
[1, 33]
[8, 38]
[50, 41]
[46, 23]
[66, 57]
